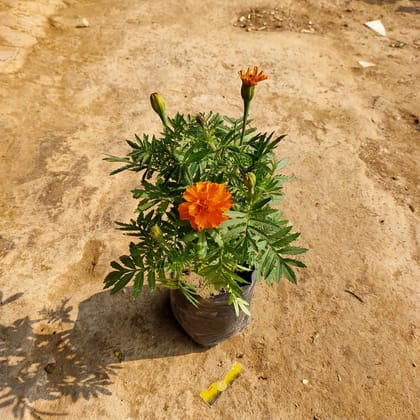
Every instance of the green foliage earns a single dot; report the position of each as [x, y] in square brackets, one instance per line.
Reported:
[205, 148]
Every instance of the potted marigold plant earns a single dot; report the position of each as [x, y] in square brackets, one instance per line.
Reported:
[207, 225]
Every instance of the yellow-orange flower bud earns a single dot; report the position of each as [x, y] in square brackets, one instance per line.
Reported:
[250, 180]
[247, 92]
[200, 119]
[249, 80]
[155, 233]
[158, 105]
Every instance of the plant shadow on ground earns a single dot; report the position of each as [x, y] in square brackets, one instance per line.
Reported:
[53, 357]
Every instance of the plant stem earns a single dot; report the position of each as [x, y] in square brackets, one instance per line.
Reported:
[164, 120]
[246, 109]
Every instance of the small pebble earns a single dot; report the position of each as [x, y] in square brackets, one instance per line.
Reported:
[84, 23]
[366, 64]
[50, 368]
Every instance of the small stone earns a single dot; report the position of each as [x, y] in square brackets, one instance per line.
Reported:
[305, 381]
[84, 23]
[50, 367]
[376, 26]
[366, 64]
[397, 44]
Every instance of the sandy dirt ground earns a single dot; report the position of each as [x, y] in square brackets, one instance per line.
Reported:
[75, 82]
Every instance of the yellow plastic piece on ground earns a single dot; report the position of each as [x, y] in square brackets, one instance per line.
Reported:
[236, 370]
[210, 394]
[221, 386]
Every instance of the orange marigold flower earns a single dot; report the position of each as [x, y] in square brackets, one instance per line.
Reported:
[204, 205]
[252, 78]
